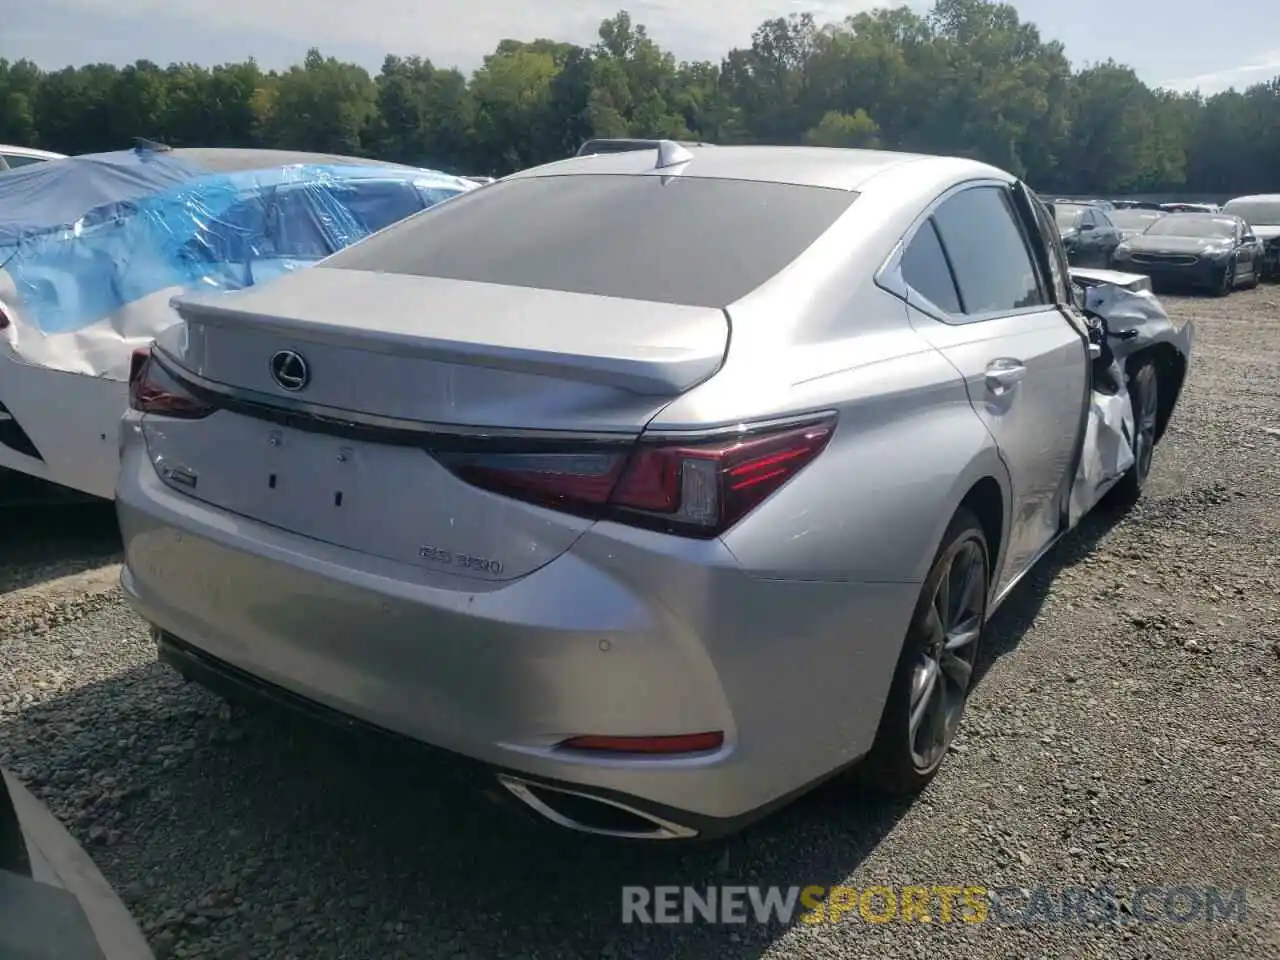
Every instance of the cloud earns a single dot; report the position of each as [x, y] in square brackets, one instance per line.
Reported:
[1264, 67]
[462, 31]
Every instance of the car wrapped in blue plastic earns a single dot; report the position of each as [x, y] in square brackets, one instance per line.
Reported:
[92, 248]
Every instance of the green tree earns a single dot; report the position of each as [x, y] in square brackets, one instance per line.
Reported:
[837, 129]
[324, 105]
[967, 77]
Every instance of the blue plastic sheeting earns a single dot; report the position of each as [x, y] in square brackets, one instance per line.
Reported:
[217, 231]
[41, 196]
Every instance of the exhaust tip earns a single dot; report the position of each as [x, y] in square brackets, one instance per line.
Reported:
[585, 813]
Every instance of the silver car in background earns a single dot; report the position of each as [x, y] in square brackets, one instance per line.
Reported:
[664, 483]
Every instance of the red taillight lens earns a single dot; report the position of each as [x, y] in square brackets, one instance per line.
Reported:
[577, 482]
[707, 488]
[681, 743]
[153, 390]
[692, 488]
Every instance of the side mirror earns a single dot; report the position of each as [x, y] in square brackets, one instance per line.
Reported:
[1085, 227]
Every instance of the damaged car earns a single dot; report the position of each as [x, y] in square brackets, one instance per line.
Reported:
[1262, 214]
[92, 248]
[1211, 251]
[658, 527]
[1088, 234]
[14, 158]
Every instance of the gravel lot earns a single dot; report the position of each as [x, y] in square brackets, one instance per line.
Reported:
[1124, 733]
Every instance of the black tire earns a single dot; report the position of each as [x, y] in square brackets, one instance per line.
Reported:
[1144, 398]
[894, 765]
[1227, 282]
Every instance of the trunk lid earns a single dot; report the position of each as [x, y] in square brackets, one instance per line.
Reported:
[397, 367]
[360, 323]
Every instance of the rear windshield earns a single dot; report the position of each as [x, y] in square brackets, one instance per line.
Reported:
[694, 241]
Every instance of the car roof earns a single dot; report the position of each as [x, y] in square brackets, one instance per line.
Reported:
[834, 168]
[1256, 198]
[232, 159]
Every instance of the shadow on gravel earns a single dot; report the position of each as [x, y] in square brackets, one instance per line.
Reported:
[1022, 606]
[187, 805]
[40, 542]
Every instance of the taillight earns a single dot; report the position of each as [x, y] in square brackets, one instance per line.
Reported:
[4, 320]
[692, 488]
[153, 390]
[137, 361]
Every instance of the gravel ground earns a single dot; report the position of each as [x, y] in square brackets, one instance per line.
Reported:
[1123, 734]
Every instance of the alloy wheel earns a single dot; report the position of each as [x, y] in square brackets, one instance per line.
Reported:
[944, 667]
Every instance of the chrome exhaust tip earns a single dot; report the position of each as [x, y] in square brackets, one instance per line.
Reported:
[585, 813]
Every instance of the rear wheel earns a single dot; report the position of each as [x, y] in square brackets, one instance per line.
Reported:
[931, 683]
[1144, 397]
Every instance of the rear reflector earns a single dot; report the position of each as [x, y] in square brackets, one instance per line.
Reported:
[692, 487]
[682, 743]
[153, 390]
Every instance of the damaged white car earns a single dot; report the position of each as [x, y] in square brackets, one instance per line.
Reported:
[93, 247]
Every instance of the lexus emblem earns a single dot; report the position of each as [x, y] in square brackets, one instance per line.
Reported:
[289, 370]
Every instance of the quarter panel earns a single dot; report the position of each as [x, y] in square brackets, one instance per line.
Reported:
[72, 420]
[871, 508]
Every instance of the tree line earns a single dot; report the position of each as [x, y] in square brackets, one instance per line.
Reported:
[967, 78]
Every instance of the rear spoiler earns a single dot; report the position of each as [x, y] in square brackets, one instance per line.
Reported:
[649, 349]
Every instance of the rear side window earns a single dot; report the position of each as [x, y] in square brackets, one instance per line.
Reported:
[297, 224]
[686, 240]
[989, 257]
[925, 269]
[376, 204]
[15, 160]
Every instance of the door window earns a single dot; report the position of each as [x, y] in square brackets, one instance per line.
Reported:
[988, 255]
[1059, 269]
[925, 270]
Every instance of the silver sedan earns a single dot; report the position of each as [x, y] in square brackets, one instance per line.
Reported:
[663, 484]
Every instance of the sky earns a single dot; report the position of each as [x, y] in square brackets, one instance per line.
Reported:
[1169, 43]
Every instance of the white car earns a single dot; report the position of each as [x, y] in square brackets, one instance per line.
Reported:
[11, 157]
[93, 248]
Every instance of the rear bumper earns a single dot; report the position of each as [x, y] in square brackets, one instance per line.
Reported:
[618, 636]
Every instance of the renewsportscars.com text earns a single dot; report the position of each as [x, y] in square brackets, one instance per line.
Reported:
[969, 904]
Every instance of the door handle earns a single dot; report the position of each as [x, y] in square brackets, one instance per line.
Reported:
[1005, 374]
